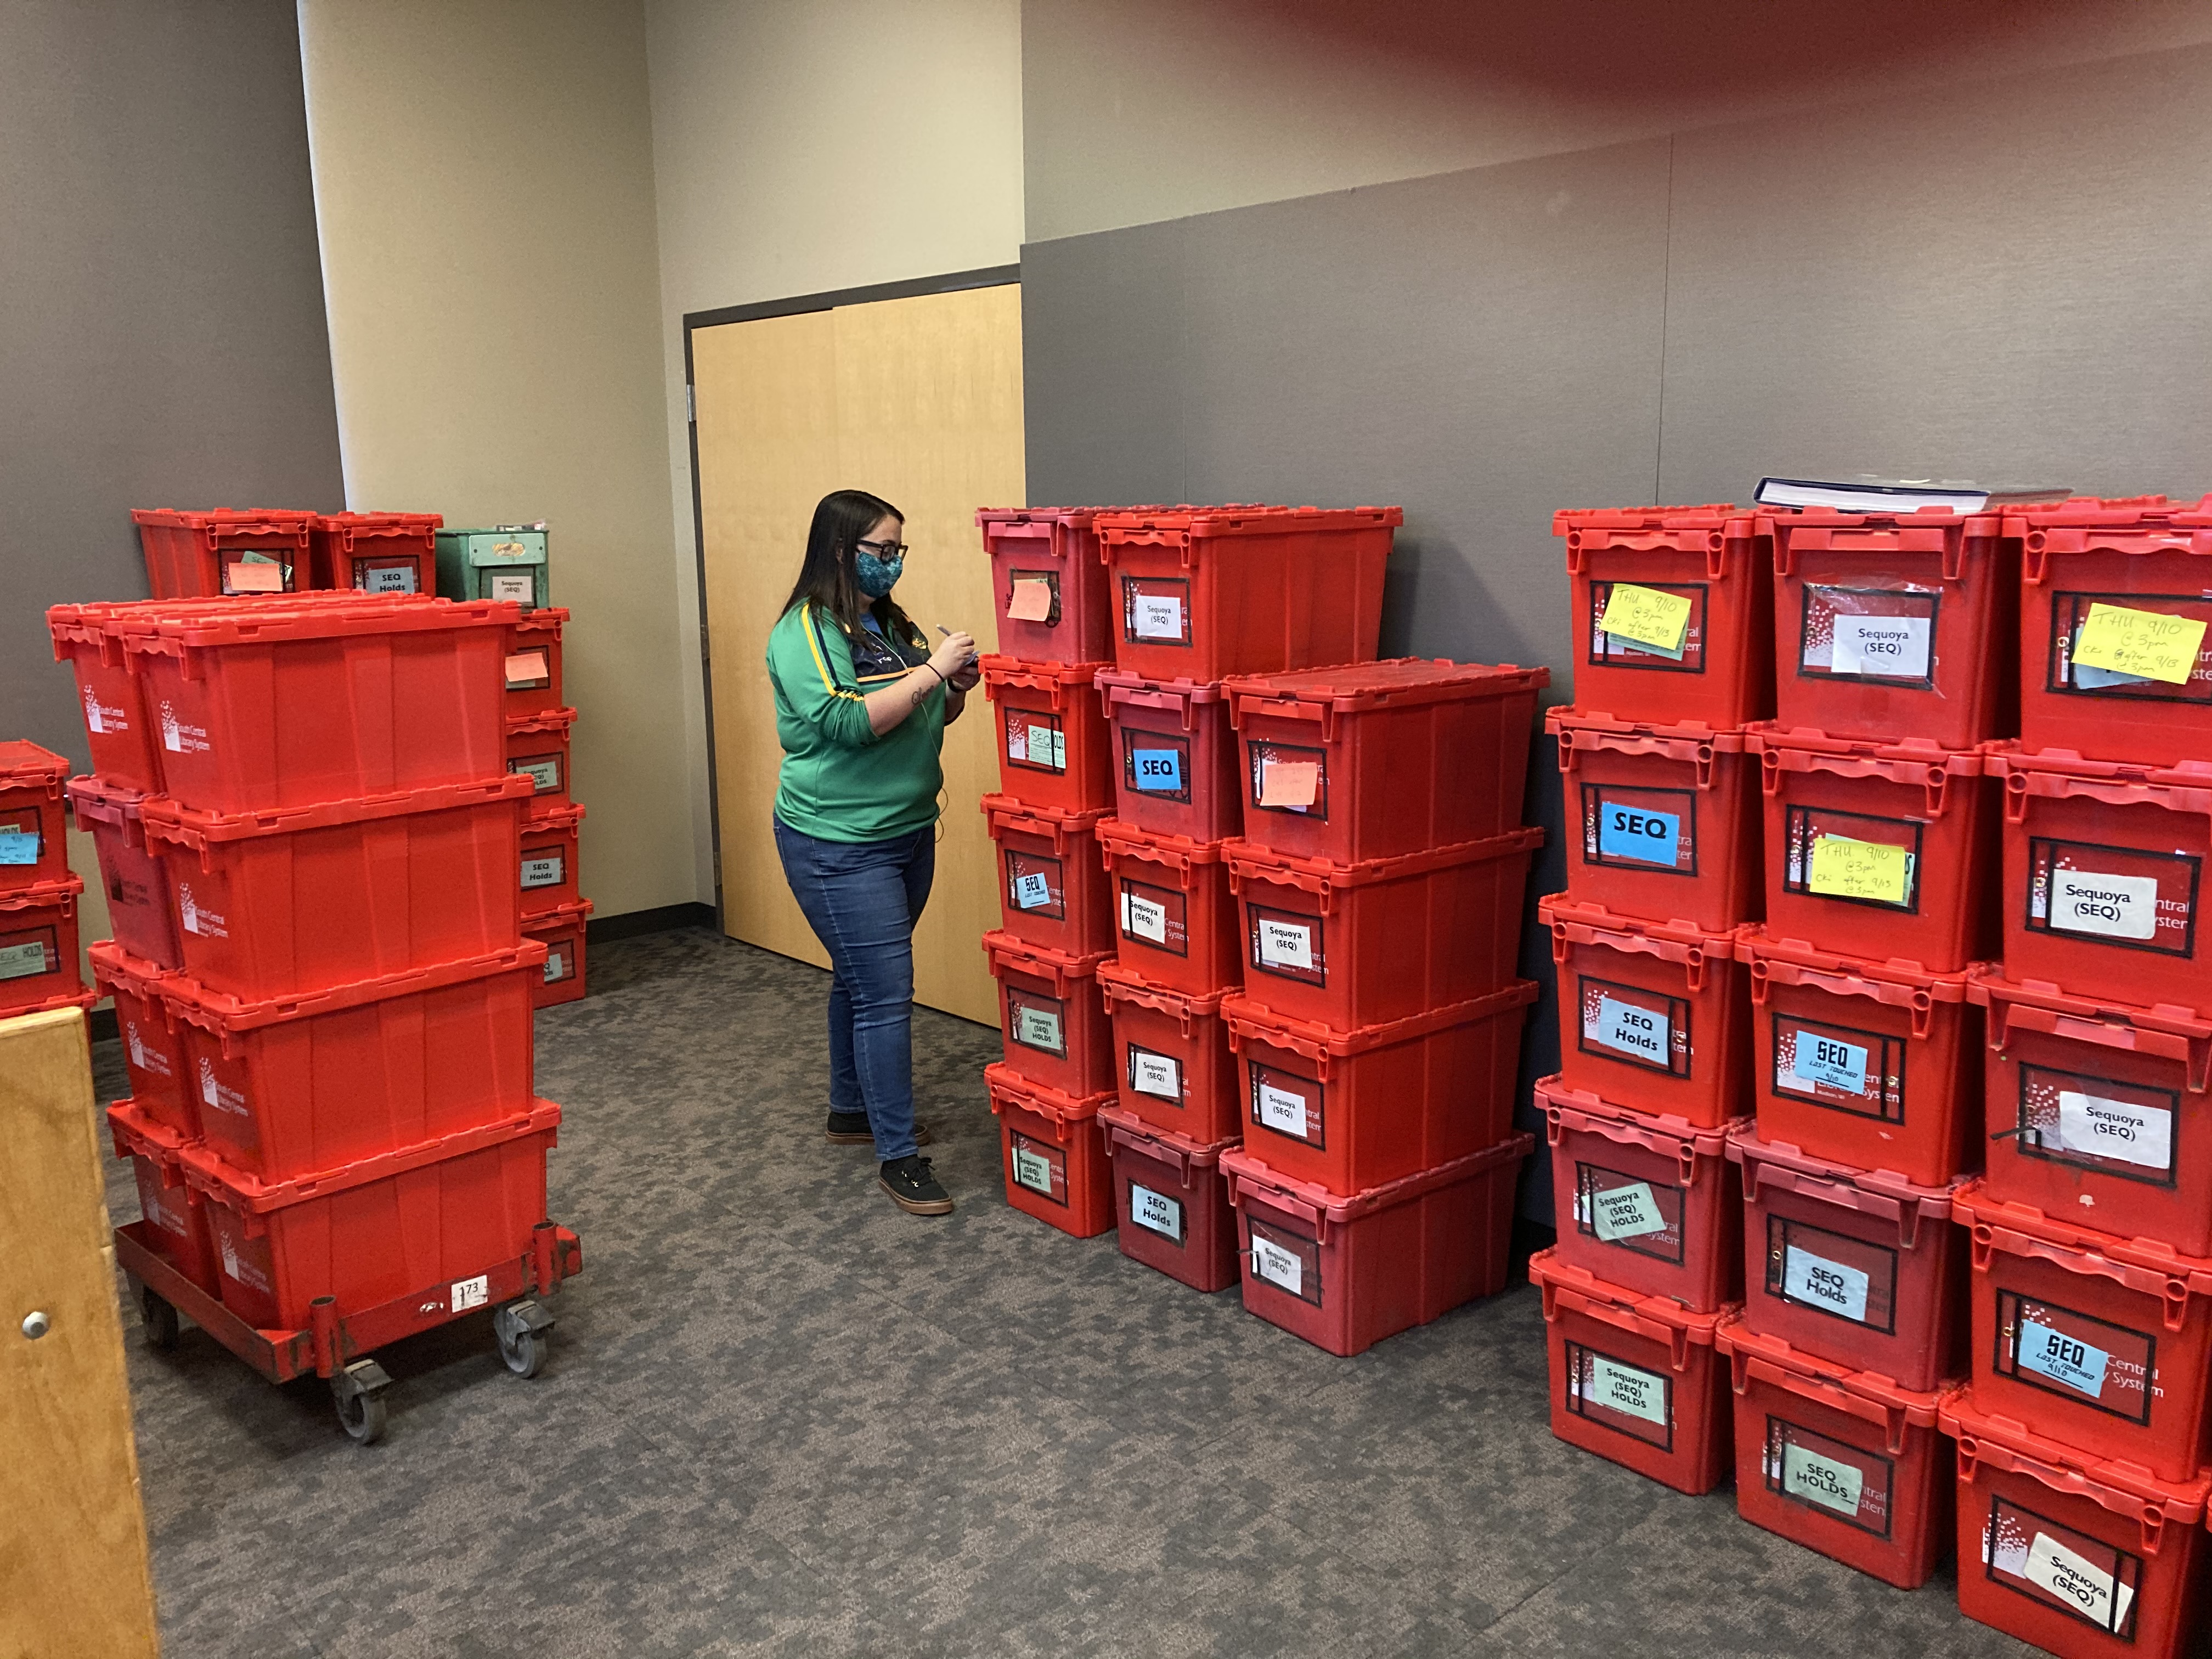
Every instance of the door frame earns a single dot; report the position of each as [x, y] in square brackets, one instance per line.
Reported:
[913, 288]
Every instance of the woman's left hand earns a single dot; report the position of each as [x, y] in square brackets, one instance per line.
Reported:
[963, 679]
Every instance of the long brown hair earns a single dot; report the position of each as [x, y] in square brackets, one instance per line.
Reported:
[826, 576]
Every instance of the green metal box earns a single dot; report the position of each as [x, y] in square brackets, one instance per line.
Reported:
[506, 562]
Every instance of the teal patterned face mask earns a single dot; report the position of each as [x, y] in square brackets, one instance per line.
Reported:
[877, 576]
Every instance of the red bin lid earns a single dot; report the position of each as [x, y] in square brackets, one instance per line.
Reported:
[228, 520]
[1125, 1128]
[1877, 1396]
[1398, 682]
[2123, 1488]
[1795, 962]
[2140, 1264]
[1123, 523]
[1660, 1318]
[1249, 1178]
[1672, 740]
[1005, 1084]
[1579, 1109]
[1119, 982]
[24, 765]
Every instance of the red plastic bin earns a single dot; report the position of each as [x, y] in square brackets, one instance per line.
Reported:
[380, 553]
[1200, 593]
[2098, 1113]
[1634, 1378]
[1345, 1273]
[531, 660]
[426, 1220]
[2075, 1554]
[328, 698]
[1895, 624]
[1051, 1018]
[1053, 748]
[1855, 1267]
[141, 908]
[1052, 1151]
[292, 1086]
[174, 1209]
[1373, 760]
[1669, 820]
[538, 745]
[1174, 918]
[1048, 583]
[1935, 908]
[1719, 672]
[1840, 1461]
[2145, 555]
[1176, 1072]
[1175, 757]
[224, 552]
[1872, 1064]
[34, 839]
[2103, 867]
[90, 639]
[547, 879]
[1348, 1111]
[2102, 1343]
[562, 932]
[1171, 1201]
[1053, 889]
[1650, 1204]
[279, 903]
[1352, 945]
[152, 1039]
[39, 945]
[1659, 1019]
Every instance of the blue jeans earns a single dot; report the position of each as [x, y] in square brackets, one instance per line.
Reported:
[862, 899]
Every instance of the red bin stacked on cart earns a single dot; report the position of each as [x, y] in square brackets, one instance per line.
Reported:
[39, 963]
[309, 838]
[2084, 1435]
[1379, 884]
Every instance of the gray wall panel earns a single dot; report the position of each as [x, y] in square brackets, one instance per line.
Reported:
[163, 343]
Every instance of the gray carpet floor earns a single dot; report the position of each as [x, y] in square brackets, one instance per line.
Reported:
[782, 1417]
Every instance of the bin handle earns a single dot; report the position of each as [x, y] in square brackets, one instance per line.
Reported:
[2194, 1053]
[1890, 1419]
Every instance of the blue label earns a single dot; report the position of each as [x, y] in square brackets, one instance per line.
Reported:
[2063, 1358]
[1631, 832]
[18, 847]
[1825, 1060]
[1159, 769]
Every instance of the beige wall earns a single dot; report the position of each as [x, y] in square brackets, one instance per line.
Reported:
[802, 149]
[1157, 109]
[484, 183]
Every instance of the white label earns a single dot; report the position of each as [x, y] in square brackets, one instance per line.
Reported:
[1627, 1212]
[171, 733]
[544, 774]
[2114, 1129]
[1827, 1059]
[1639, 1031]
[556, 967]
[1821, 1480]
[1628, 1390]
[390, 579]
[1155, 1210]
[1042, 747]
[2117, 907]
[1895, 647]
[1033, 1171]
[1820, 1283]
[1158, 617]
[93, 720]
[471, 1293]
[1286, 945]
[1277, 1266]
[22, 961]
[2075, 1580]
[514, 586]
[1017, 742]
[2064, 1359]
[1030, 891]
[1155, 1074]
[1037, 1027]
[203, 922]
[543, 870]
[1143, 919]
[1283, 1111]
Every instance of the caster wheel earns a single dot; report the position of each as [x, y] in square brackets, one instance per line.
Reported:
[522, 1328]
[159, 1316]
[358, 1393]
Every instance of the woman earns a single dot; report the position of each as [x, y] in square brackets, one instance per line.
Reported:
[861, 705]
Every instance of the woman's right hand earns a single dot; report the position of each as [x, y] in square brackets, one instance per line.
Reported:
[954, 652]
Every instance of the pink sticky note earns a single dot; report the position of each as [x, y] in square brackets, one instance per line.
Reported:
[1031, 601]
[526, 667]
[256, 578]
[1289, 783]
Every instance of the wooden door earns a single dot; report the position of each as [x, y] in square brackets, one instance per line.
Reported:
[920, 401]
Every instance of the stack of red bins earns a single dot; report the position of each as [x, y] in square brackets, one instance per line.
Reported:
[2084, 1435]
[553, 910]
[1672, 611]
[39, 955]
[310, 843]
[1380, 881]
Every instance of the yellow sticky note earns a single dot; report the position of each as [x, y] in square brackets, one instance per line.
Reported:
[1843, 868]
[2148, 643]
[1646, 615]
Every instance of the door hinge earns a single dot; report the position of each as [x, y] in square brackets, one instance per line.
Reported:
[690, 404]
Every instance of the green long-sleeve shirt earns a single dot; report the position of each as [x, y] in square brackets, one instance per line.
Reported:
[839, 780]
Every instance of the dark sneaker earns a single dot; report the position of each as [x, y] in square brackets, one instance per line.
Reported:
[913, 1188]
[851, 1129]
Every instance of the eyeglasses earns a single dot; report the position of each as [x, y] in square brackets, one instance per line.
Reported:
[884, 549]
